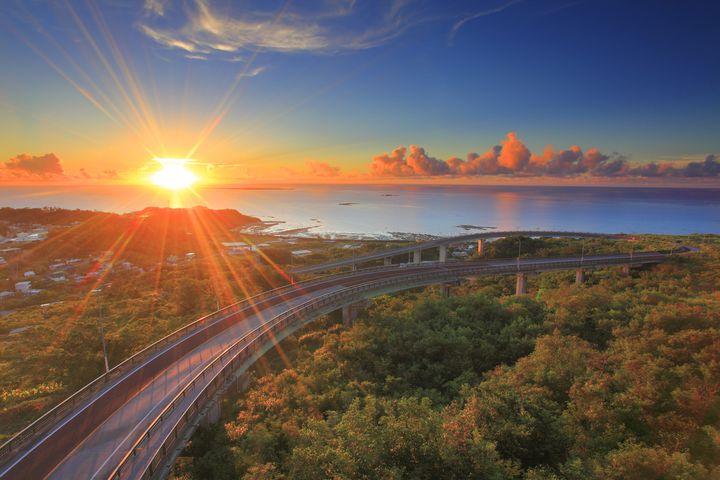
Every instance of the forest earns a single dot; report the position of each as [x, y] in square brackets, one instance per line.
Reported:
[618, 378]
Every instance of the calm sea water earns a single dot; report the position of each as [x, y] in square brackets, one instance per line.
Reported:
[439, 210]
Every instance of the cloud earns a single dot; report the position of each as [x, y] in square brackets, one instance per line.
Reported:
[156, 7]
[254, 72]
[483, 13]
[204, 27]
[393, 165]
[709, 168]
[321, 169]
[513, 158]
[24, 165]
[514, 155]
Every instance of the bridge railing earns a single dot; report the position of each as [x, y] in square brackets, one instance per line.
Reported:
[52, 416]
[232, 358]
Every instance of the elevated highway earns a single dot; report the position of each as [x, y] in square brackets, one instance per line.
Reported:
[442, 245]
[132, 422]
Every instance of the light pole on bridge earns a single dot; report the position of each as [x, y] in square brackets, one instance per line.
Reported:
[102, 329]
[519, 248]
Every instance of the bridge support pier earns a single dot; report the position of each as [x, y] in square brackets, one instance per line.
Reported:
[481, 244]
[626, 269]
[354, 267]
[579, 276]
[417, 255]
[521, 284]
[351, 312]
[212, 415]
[447, 288]
[443, 253]
[240, 383]
[387, 261]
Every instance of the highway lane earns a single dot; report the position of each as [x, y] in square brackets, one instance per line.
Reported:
[105, 439]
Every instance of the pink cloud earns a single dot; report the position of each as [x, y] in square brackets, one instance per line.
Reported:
[513, 158]
[43, 166]
[514, 155]
[321, 169]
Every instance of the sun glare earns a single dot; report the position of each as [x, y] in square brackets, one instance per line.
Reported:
[173, 174]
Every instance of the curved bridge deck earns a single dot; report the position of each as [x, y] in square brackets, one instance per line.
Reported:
[440, 243]
[133, 421]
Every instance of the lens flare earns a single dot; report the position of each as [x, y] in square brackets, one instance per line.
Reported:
[173, 175]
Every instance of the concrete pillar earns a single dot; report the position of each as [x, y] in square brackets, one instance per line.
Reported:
[447, 290]
[347, 316]
[417, 255]
[443, 253]
[351, 312]
[354, 267]
[521, 284]
[481, 244]
[579, 276]
[626, 269]
[387, 261]
[212, 415]
[241, 383]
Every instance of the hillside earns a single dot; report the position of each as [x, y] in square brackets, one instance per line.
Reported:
[143, 237]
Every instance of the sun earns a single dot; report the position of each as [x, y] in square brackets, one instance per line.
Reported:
[173, 174]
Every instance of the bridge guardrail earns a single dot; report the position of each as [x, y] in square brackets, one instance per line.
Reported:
[49, 418]
[281, 321]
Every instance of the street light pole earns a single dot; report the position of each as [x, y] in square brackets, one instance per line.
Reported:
[101, 328]
[102, 337]
[518, 257]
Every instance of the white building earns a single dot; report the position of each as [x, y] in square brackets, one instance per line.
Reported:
[301, 253]
[29, 274]
[23, 287]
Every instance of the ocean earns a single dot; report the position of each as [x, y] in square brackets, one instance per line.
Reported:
[391, 211]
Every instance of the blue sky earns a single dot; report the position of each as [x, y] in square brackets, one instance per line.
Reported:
[341, 82]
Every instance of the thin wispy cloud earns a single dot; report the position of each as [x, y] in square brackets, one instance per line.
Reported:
[483, 13]
[203, 27]
[254, 72]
